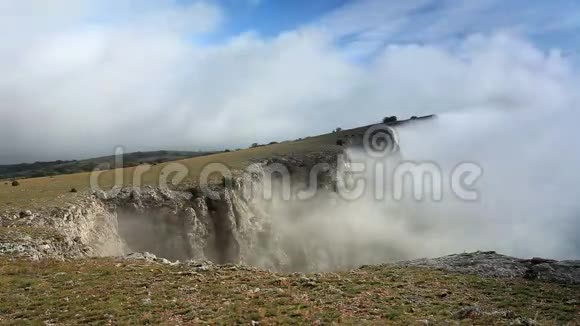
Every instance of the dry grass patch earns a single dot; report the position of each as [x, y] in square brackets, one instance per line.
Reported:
[56, 191]
[135, 292]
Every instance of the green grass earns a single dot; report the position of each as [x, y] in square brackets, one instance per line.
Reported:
[14, 233]
[55, 191]
[44, 169]
[128, 292]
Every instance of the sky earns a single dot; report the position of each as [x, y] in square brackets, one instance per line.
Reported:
[80, 77]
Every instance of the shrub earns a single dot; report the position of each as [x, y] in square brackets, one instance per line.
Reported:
[254, 145]
[15, 183]
[414, 117]
[227, 151]
[340, 142]
[274, 142]
[390, 119]
[74, 190]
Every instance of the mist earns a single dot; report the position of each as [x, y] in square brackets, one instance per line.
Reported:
[526, 205]
[524, 138]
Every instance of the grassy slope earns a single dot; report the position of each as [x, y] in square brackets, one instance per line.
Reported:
[42, 169]
[56, 190]
[131, 292]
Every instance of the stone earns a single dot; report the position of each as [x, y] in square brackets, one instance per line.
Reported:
[26, 213]
[491, 264]
[468, 312]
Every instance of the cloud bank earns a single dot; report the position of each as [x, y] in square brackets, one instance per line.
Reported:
[80, 77]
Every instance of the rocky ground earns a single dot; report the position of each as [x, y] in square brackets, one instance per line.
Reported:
[183, 223]
[492, 264]
[49, 278]
[144, 289]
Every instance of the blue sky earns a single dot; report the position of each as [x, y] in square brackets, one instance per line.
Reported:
[269, 18]
[550, 24]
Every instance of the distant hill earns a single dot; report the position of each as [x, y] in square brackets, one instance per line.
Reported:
[308, 144]
[43, 169]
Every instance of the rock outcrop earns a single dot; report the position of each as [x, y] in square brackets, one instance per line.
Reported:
[492, 264]
[228, 226]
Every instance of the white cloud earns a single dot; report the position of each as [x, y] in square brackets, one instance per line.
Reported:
[88, 86]
[376, 22]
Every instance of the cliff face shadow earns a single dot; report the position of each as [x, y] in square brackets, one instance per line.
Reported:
[158, 232]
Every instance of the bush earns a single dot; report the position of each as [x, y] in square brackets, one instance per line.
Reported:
[273, 143]
[254, 145]
[414, 117]
[227, 151]
[390, 119]
[340, 142]
[15, 183]
[74, 190]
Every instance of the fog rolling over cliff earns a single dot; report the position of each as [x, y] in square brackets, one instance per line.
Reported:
[525, 203]
[527, 192]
